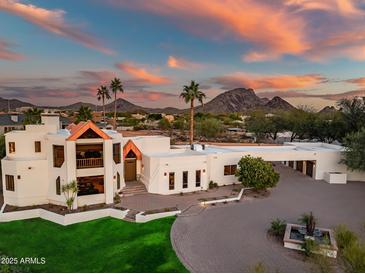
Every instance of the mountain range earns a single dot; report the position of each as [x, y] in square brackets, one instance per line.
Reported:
[235, 100]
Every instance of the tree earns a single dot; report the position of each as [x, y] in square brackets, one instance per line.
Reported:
[190, 94]
[116, 86]
[258, 124]
[209, 127]
[32, 116]
[354, 154]
[84, 114]
[69, 191]
[103, 94]
[164, 124]
[256, 173]
[354, 113]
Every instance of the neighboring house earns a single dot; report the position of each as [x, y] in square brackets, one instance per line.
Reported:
[11, 121]
[42, 158]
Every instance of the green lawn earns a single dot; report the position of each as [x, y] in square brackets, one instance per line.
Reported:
[104, 245]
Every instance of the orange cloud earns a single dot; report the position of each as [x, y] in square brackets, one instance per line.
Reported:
[255, 81]
[181, 63]
[270, 29]
[142, 74]
[7, 54]
[52, 21]
[342, 7]
[358, 81]
[328, 96]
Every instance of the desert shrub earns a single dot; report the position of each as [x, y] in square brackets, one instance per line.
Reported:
[322, 263]
[354, 257]
[309, 247]
[116, 198]
[277, 227]
[258, 268]
[212, 185]
[344, 237]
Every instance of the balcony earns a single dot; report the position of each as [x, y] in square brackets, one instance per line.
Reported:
[89, 156]
[89, 163]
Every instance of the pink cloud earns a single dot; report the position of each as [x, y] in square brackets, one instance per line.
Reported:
[52, 21]
[181, 63]
[342, 7]
[146, 95]
[7, 54]
[327, 96]
[256, 81]
[142, 74]
[256, 22]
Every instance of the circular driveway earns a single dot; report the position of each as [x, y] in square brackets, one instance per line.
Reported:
[233, 238]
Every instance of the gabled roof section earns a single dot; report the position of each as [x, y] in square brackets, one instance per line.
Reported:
[82, 127]
[131, 146]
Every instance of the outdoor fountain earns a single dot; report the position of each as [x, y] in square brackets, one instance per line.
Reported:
[296, 236]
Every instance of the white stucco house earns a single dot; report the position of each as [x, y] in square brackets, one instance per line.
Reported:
[42, 158]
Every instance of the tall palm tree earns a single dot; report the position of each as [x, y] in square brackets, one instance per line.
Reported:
[353, 111]
[103, 94]
[116, 86]
[85, 113]
[190, 94]
[32, 116]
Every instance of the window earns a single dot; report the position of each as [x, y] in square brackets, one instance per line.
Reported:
[118, 180]
[58, 185]
[171, 180]
[37, 146]
[185, 179]
[58, 156]
[116, 153]
[9, 183]
[230, 170]
[197, 178]
[11, 147]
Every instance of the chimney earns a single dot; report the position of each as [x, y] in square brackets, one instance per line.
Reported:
[49, 119]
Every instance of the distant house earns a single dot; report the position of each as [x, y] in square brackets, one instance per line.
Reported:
[11, 121]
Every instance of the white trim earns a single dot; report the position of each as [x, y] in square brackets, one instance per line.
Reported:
[64, 220]
[140, 218]
[226, 199]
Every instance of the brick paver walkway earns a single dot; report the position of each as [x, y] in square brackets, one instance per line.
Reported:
[150, 201]
[233, 238]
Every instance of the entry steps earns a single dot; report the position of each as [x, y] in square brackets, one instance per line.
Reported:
[133, 189]
[131, 215]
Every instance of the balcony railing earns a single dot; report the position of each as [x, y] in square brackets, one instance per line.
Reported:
[89, 163]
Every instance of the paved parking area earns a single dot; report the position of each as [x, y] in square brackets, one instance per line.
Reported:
[233, 238]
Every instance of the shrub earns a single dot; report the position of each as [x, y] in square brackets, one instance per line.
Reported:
[344, 237]
[277, 227]
[354, 257]
[322, 263]
[116, 198]
[309, 246]
[256, 173]
[212, 185]
[309, 221]
[258, 268]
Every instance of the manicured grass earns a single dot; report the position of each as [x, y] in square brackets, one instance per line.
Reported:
[104, 245]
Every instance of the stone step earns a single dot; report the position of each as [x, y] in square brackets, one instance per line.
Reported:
[131, 215]
[133, 189]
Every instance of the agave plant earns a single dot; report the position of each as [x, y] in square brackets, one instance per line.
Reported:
[310, 223]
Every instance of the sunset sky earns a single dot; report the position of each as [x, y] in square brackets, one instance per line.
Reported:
[58, 52]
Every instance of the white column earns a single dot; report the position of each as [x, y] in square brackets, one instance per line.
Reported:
[70, 159]
[108, 171]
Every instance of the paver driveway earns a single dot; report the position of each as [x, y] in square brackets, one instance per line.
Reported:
[232, 238]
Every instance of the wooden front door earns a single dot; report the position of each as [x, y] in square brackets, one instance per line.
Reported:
[130, 169]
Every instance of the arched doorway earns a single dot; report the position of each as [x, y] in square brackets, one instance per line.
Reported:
[130, 166]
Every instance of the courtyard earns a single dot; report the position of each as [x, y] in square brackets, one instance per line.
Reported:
[233, 238]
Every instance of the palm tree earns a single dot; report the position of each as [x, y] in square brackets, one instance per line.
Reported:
[116, 86]
[84, 114]
[190, 94]
[32, 116]
[354, 112]
[103, 94]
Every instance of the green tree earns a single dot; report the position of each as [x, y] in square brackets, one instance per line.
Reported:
[116, 86]
[164, 124]
[32, 116]
[256, 173]
[84, 114]
[209, 127]
[257, 123]
[103, 94]
[190, 94]
[354, 154]
[354, 113]
[2, 146]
